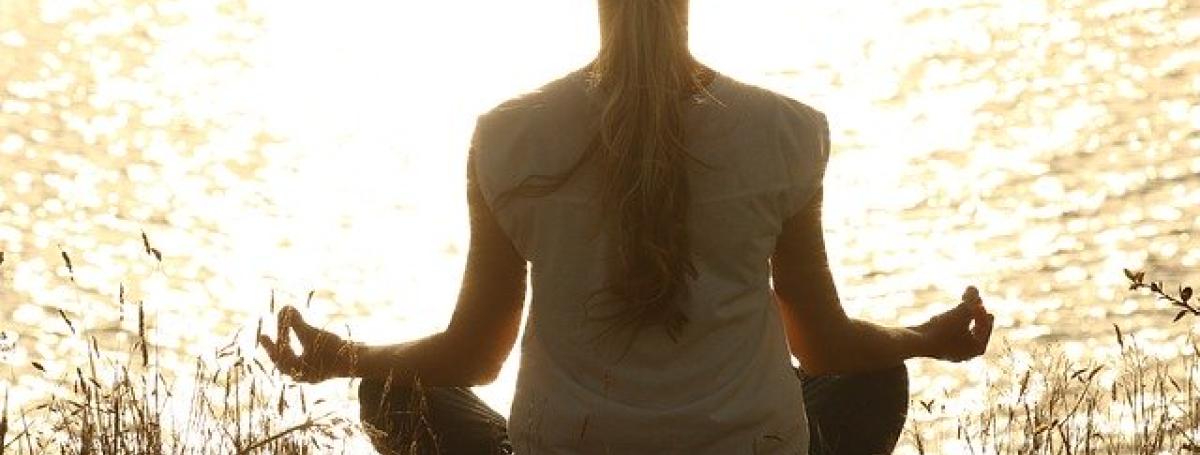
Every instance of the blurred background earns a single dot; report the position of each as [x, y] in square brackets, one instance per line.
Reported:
[1034, 148]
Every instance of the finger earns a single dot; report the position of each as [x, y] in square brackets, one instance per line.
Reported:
[980, 311]
[304, 331]
[271, 348]
[983, 331]
[283, 321]
[972, 300]
[971, 296]
[961, 314]
[281, 355]
[266, 343]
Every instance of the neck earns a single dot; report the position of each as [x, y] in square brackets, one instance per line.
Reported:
[607, 8]
[625, 23]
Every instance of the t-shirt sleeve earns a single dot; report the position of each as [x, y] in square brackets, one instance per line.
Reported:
[807, 157]
[479, 158]
[491, 145]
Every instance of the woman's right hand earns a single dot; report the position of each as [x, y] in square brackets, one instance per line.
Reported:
[325, 354]
[961, 333]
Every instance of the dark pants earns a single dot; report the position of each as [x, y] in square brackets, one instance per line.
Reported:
[847, 415]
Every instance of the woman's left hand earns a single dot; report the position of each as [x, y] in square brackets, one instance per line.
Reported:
[325, 355]
[960, 334]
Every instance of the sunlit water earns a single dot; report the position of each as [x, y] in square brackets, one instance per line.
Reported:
[1033, 148]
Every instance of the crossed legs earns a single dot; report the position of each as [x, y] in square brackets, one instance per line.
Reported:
[854, 414]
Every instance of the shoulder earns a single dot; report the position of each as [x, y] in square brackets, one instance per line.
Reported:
[766, 104]
[526, 107]
[524, 134]
[795, 134]
[798, 127]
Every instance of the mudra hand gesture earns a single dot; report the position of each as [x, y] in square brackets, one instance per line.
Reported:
[961, 333]
[325, 356]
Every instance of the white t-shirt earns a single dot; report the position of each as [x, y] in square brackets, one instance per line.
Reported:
[726, 386]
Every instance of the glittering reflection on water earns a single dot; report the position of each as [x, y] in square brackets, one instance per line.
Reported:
[1033, 148]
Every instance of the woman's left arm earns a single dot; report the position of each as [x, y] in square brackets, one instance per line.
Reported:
[470, 351]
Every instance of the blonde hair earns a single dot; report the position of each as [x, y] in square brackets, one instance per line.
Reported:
[645, 78]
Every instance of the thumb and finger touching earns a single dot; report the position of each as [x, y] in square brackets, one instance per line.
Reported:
[304, 331]
[280, 350]
[971, 295]
[280, 353]
[966, 328]
[314, 363]
[982, 330]
[983, 321]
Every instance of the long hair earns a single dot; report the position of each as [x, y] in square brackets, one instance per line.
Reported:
[645, 75]
[645, 78]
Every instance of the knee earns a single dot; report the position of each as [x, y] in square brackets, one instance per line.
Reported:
[886, 407]
[389, 423]
[369, 388]
[884, 392]
[895, 379]
[372, 402]
[378, 398]
[860, 413]
[891, 387]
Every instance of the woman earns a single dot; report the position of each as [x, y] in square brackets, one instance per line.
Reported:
[671, 219]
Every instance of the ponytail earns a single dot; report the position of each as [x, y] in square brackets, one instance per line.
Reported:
[645, 79]
[645, 76]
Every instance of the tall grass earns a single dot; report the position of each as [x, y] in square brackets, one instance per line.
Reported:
[1130, 402]
[229, 402]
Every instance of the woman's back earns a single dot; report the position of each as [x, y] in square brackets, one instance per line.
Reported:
[673, 240]
[725, 384]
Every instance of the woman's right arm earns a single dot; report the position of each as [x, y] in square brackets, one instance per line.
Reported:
[826, 340]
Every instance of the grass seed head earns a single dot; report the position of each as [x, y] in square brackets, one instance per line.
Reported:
[66, 319]
[67, 259]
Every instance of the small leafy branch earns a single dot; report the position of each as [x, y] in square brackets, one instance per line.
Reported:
[1137, 280]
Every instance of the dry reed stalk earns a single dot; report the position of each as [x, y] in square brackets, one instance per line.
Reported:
[298, 427]
[67, 259]
[4, 422]
[1073, 412]
[142, 334]
[66, 319]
